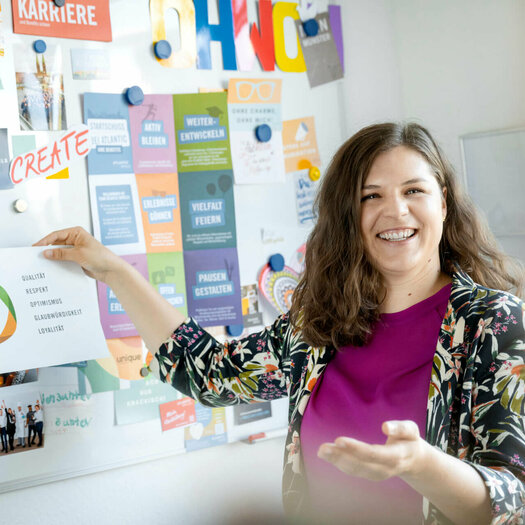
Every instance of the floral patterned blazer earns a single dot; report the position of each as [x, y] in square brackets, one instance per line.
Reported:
[476, 397]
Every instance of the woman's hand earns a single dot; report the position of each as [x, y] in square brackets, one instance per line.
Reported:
[402, 455]
[96, 260]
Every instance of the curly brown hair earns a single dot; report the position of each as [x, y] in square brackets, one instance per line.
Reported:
[338, 297]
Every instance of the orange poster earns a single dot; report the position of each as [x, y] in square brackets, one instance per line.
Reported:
[300, 144]
[81, 19]
[160, 208]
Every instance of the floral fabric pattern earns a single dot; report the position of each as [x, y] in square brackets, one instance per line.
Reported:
[476, 398]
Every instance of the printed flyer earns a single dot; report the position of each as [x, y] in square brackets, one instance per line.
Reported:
[107, 118]
[160, 210]
[115, 322]
[207, 210]
[82, 19]
[153, 135]
[44, 305]
[213, 286]
[251, 103]
[201, 121]
[208, 431]
[141, 401]
[300, 144]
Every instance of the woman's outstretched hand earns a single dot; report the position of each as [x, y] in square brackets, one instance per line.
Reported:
[96, 260]
[402, 455]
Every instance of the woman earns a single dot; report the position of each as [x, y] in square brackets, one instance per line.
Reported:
[396, 252]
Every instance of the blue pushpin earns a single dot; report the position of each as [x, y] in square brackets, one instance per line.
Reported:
[263, 133]
[311, 27]
[235, 329]
[39, 46]
[162, 49]
[276, 262]
[60, 3]
[135, 96]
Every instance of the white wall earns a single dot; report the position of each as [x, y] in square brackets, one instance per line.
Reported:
[461, 66]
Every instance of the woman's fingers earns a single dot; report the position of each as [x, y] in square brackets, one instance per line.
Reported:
[69, 236]
[401, 429]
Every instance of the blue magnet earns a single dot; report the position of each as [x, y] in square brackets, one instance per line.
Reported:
[263, 133]
[311, 27]
[135, 96]
[162, 49]
[60, 3]
[235, 329]
[276, 262]
[39, 46]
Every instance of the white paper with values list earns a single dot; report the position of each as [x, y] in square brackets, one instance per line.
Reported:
[48, 312]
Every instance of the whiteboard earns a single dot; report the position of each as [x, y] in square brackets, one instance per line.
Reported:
[265, 217]
[494, 166]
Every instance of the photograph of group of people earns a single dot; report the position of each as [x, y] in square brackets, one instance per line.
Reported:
[21, 423]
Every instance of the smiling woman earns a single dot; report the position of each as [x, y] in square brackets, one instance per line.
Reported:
[402, 327]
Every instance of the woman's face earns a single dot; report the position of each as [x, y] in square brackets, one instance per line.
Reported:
[402, 212]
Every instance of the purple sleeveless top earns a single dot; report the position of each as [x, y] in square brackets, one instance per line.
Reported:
[361, 388]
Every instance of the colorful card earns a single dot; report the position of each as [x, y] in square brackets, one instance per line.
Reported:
[153, 135]
[115, 322]
[320, 53]
[305, 193]
[160, 209]
[251, 316]
[201, 121]
[166, 274]
[90, 64]
[244, 414]
[107, 118]
[177, 414]
[207, 210]
[252, 103]
[141, 401]
[209, 431]
[40, 89]
[82, 19]
[213, 286]
[300, 144]
[5, 181]
[116, 213]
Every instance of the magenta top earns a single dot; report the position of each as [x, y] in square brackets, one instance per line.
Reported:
[361, 388]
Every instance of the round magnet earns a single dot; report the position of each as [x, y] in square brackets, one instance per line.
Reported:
[135, 96]
[20, 205]
[162, 49]
[39, 46]
[144, 372]
[314, 173]
[60, 3]
[311, 27]
[235, 329]
[263, 133]
[276, 262]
